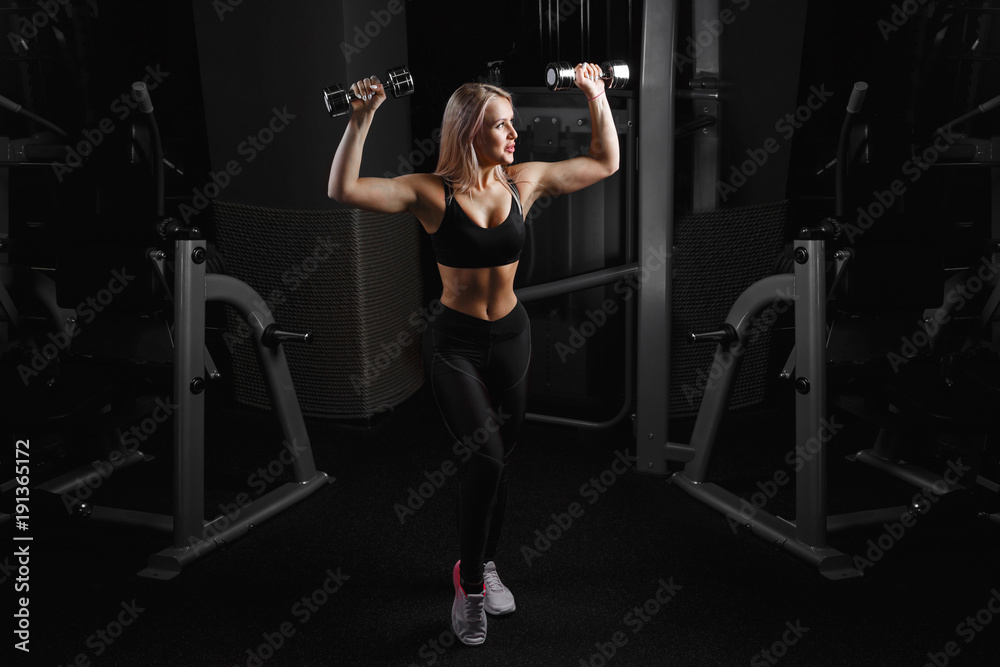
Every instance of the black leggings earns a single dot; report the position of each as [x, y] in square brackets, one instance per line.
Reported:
[478, 373]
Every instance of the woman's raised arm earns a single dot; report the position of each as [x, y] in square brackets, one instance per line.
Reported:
[381, 195]
[601, 161]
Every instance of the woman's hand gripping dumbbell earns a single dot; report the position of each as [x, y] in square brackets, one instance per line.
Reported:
[367, 92]
[562, 76]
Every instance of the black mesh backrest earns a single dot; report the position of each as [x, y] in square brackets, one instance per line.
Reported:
[717, 255]
[350, 277]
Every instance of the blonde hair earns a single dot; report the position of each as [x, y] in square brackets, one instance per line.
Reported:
[462, 124]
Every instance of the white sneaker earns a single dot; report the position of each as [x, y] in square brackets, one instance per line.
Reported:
[468, 619]
[499, 600]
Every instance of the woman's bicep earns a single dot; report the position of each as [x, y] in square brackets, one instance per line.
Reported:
[564, 176]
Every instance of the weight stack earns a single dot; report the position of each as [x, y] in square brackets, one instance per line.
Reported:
[351, 278]
[717, 255]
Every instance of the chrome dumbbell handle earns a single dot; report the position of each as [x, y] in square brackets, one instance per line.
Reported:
[562, 76]
[338, 101]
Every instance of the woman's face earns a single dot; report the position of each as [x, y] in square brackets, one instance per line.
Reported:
[495, 143]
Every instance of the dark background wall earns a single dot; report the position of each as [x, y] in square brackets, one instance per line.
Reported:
[265, 56]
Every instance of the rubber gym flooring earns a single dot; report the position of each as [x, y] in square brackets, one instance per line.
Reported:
[608, 567]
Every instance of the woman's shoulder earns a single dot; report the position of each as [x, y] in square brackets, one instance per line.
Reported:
[525, 177]
[423, 179]
[430, 194]
[524, 173]
[428, 187]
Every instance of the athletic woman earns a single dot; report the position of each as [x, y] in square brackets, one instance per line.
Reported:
[477, 351]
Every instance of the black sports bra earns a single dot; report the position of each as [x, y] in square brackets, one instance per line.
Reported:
[462, 244]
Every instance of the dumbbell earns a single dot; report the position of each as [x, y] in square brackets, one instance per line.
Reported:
[338, 100]
[561, 75]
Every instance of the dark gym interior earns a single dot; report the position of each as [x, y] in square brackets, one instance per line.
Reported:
[765, 353]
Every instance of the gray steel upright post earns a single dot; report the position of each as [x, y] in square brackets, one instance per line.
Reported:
[705, 102]
[193, 537]
[810, 387]
[189, 395]
[657, 86]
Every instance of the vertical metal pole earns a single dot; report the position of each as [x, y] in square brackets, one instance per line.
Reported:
[541, 30]
[189, 419]
[994, 329]
[810, 387]
[657, 87]
[705, 143]
[554, 22]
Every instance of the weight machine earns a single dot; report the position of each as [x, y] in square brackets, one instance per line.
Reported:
[816, 274]
[181, 265]
[805, 291]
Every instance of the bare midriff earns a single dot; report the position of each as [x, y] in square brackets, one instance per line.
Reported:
[486, 293]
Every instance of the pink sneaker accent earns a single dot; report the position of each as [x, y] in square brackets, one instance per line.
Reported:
[468, 618]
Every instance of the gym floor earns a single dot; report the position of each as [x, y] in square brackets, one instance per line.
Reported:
[608, 567]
